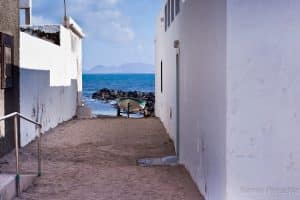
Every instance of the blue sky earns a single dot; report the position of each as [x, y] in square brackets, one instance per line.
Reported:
[118, 31]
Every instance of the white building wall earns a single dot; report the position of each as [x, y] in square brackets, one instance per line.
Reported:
[263, 150]
[50, 81]
[239, 96]
[200, 27]
[166, 53]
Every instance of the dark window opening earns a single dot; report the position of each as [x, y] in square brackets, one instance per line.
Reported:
[6, 60]
[177, 6]
[161, 77]
[166, 18]
[172, 10]
[169, 13]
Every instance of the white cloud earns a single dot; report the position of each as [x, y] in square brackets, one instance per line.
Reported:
[117, 32]
[103, 15]
[40, 20]
[80, 5]
[102, 19]
[112, 2]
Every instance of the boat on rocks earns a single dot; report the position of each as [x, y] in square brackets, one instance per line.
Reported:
[139, 102]
[130, 105]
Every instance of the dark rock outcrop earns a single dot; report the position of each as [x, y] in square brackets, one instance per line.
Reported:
[108, 95]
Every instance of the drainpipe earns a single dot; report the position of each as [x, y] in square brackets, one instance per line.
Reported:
[177, 46]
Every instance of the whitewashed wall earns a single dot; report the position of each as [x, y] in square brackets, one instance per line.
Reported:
[200, 27]
[263, 150]
[239, 96]
[165, 53]
[50, 81]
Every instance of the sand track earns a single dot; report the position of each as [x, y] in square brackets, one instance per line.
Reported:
[96, 159]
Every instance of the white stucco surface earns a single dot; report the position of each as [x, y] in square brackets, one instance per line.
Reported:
[263, 119]
[200, 28]
[239, 96]
[50, 81]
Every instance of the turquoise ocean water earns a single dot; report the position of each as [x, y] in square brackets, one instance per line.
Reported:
[125, 82]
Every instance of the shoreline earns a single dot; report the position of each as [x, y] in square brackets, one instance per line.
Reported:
[125, 82]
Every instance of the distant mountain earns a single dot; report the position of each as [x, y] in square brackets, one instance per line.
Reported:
[129, 68]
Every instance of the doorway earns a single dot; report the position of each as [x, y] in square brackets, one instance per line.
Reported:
[177, 104]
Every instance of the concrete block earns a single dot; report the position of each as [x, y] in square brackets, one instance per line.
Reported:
[8, 185]
[84, 112]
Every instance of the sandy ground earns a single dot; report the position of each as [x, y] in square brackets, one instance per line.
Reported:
[96, 159]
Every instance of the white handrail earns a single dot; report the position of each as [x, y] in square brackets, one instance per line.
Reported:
[8, 116]
[20, 115]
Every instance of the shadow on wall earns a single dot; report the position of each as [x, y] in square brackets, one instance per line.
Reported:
[11, 104]
[49, 105]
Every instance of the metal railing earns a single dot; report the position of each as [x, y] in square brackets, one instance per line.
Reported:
[16, 117]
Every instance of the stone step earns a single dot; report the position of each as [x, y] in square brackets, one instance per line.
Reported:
[8, 185]
[164, 161]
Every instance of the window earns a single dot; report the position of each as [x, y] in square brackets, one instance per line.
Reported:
[166, 18]
[177, 6]
[161, 77]
[169, 9]
[7, 69]
[7, 60]
[172, 10]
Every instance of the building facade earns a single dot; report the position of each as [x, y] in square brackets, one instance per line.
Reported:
[41, 72]
[227, 92]
[51, 77]
[9, 63]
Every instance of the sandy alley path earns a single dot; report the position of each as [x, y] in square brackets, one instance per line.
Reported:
[96, 159]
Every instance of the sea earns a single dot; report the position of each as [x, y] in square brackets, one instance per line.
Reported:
[125, 82]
